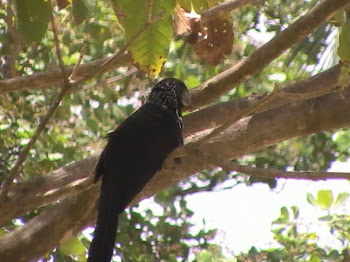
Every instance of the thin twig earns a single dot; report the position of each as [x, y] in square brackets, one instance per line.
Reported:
[108, 80]
[75, 69]
[25, 152]
[225, 8]
[110, 60]
[115, 57]
[267, 172]
[246, 68]
[68, 84]
[58, 49]
[15, 46]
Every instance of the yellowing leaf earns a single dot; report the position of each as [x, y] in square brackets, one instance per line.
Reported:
[324, 198]
[73, 246]
[185, 4]
[150, 50]
[339, 18]
[344, 43]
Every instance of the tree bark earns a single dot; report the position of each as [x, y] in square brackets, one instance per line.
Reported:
[215, 87]
[41, 191]
[278, 121]
[250, 134]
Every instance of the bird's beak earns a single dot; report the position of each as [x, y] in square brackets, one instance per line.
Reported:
[186, 98]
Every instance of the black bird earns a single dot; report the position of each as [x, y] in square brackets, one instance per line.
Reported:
[134, 153]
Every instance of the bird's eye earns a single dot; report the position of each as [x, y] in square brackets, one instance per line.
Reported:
[186, 98]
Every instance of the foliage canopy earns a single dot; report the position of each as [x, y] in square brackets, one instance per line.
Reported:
[262, 131]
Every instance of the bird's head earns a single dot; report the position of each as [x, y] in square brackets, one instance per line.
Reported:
[170, 93]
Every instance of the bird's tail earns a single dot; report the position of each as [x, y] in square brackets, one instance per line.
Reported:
[102, 245]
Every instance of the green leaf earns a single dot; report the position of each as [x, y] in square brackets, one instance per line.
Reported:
[295, 211]
[150, 49]
[324, 198]
[339, 18]
[284, 216]
[344, 42]
[199, 5]
[73, 246]
[33, 17]
[163, 198]
[192, 81]
[314, 258]
[342, 139]
[342, 197]
[2, 232]
[81, 11]
[185, 4]
[310, 198]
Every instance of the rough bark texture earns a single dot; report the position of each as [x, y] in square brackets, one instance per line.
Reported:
[55, 77]
[246, 136]
[282, 119]
[41, 191]
[257, 61]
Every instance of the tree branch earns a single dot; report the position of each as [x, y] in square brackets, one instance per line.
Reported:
[258, 60]
[54, 77]
[269, 172]
[15, 46]
[225, 8]
[40, 128]
[243, 113]
[216, 86]
[32, 194]
[317, 85]
[41, 226]
[246, 136]
[67, 85]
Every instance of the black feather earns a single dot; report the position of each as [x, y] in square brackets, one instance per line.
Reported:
[134, 153]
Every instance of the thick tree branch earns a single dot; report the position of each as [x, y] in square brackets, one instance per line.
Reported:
[68, 84]
[262, 130]
[248, 135]
[45, 226]
[215, 87]
[33, 193]
[84, 72]
[248, 67]
[243, 113]
[323, 83]
[54, 77]
[270, 126]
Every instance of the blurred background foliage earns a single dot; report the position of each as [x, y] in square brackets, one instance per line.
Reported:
[164, 231]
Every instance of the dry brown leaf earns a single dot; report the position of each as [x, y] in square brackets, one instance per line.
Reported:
[218, 41]
[211, 41]
[62, 3]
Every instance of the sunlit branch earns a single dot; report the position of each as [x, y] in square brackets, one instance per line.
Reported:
[226, 8]
[215, 87]
[43, 122]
